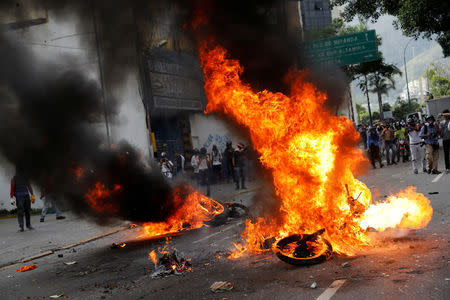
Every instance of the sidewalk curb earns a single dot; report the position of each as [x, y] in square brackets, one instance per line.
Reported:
[49, 252]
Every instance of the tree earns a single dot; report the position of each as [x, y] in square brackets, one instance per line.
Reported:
[381, 80]
[403, 108]
[360, 110]
[376, 115]
[438, 76]
[386, 107]
[415, 17]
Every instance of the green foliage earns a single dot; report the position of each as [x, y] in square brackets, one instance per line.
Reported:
[337, 28]
[376, 115]
[415, 17]
[365, 118]
[360, 111]
[439, 78]
[386, 107]
[403, 108]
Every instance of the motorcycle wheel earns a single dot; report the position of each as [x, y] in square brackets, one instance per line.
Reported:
[287, 249]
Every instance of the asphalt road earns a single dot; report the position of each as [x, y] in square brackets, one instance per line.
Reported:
[401, 265]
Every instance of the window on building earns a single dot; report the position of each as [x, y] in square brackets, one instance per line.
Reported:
[318, 5]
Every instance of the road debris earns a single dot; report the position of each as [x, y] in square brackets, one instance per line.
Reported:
[26, 268]
[118, 245]
[56, 296]
[169, 263]
[69, 263]
[345, 265]
[60, 255]
[221, 286]
[313, 285]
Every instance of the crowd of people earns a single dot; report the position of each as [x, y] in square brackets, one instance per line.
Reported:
[210, 168]
[415, 139]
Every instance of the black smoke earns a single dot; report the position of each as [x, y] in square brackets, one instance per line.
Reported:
[51, 128]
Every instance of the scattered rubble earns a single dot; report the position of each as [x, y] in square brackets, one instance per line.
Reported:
[345, 265]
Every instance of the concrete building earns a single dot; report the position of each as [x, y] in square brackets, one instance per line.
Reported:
[315, 14]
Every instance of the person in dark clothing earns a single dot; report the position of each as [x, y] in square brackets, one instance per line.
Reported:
[374, 149]
[179, 164]
[239, 164]
[227, 164]
[20, 196]
[445, 133]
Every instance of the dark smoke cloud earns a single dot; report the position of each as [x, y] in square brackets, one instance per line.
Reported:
[255, 32]
[49, 121]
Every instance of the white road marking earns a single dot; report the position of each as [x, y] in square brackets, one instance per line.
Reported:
[438, 177]
[214, 234]
[332, 289]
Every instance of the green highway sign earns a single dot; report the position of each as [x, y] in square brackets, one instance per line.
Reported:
[344, 50]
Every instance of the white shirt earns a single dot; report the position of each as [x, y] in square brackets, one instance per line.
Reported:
[414, 137]
[216, 159]
[166, 169]
[194, 163]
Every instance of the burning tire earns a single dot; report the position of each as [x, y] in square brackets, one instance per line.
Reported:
[304, 249]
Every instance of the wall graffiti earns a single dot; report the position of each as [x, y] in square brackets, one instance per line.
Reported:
[219, 140]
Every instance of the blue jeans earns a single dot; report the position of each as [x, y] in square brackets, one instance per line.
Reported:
[49, 202]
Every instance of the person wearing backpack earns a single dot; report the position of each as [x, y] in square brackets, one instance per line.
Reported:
[430, 134]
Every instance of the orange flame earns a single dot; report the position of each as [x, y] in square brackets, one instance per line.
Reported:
[153, 257]
[310, 152]
[194, 209]
[100, 198]
[407, 209]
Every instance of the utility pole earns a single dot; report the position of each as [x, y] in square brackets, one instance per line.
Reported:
[100, 72]
[406, 72]
[368, 101]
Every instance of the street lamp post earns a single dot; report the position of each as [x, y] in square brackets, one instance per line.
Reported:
[406, 72]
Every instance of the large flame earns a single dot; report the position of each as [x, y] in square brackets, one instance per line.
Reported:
[312, 155]
[194, 209]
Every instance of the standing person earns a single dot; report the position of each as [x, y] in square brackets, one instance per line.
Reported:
[179, 163]
[228, 162]
[400, 137]
[416, 146]
[362, 133]
[216, 163]
[21, 191]
[445, 133]
[388, 136]
[204, 165]
[166, 166]
[239, 161]
[194, 164]
[49, 201]
[374, 149]
[430, 133]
